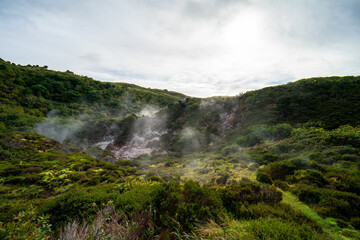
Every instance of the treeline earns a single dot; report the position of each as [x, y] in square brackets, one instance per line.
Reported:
[329, 101]
[29, 93]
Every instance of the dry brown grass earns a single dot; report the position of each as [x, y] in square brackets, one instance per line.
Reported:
[108, 224]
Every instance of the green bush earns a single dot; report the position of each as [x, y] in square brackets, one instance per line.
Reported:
[282, 130]
[259, 134]
[280, 169]
[355, 222]
[165, 200]
[278, 229]
[350, 234]
[341, 223]
[282, 185]
[79, 203]
[280, 211]
[263, 177]
[329, 202]
[311, 177]
[343, 180]
[188, 206]
[309, 197]
[235, 198]
[26, 225]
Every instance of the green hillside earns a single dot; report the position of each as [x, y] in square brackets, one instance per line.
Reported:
[330, 102]
[29, 93]
[96, 160]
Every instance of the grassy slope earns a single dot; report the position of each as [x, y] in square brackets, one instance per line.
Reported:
[34, 168]
[331, 229]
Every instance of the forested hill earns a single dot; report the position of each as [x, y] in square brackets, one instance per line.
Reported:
[329, 101]
[28, 93]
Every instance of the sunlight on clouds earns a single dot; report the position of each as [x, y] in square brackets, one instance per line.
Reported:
[198, 47]
[243, 34]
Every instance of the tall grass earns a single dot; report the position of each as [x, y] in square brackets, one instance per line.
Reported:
[109, 224]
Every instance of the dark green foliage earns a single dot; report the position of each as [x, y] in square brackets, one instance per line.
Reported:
[331, 101]
[350, 234]
[344, 135]
[261, 133]
[263, 177]
[236, 197]
[355, 222]
[321, 177]
[85, 202]
[311, 177]
[280, 169]
[341, 223]
[278, 229]
[281, 211]
[125, 163]
[26, 225]
[31, 166]
[77, 203]
[330, 203]
[28, 93]
[188, 206]
[282, 185]
[309, 197]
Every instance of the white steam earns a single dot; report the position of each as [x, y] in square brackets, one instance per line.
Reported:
[106, 142]
[192, 140]
[148, 111]
[57, 128]
[145, 135]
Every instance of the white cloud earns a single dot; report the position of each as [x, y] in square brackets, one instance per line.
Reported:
[198, 47]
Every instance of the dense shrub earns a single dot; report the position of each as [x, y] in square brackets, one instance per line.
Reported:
[341, 223]
[309, 176]
[343, 180]
[280, 169]
[307, 196]
[261, 133]
[236, 197]
[26, 225]
[188, 206]
[344, 135]
[355, 222]
[329, 202]
[263, 177]
[278, 229]
[81, 204]
[282, 185]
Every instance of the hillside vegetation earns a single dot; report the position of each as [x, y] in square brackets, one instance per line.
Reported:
[29, 93]
[83, 159]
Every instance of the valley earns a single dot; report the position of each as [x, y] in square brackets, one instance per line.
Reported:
[80, 157]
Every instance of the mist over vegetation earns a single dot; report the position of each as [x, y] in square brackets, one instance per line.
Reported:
[85, 159]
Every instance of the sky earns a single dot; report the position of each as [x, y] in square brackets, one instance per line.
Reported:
[201, 48]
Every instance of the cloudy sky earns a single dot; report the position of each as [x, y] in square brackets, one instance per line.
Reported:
[198, 47]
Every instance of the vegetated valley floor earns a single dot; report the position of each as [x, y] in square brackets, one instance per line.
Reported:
[83, 159]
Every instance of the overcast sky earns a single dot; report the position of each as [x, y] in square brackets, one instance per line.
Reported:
[197, 47]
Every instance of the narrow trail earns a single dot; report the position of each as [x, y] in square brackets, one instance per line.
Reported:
[329, 228]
